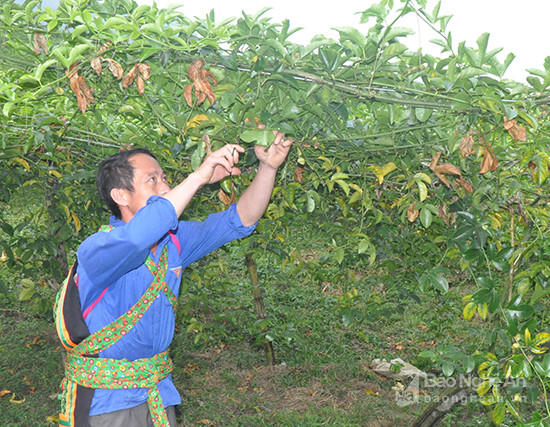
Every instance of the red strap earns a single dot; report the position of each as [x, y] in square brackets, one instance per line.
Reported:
[176, 241]
[87, 311]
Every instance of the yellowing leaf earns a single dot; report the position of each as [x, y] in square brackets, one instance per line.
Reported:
[423, 177]
[196, 121]
[469, 310]
[422, 190]
[76, 220]
[542, 338]
[388, 168]
[483, 387]
[4, 392]
[53, 419]
[527, 336]
[377, 173]
[17, 402]
[483, 310]
[23, 163]
[498, 413]
[370, 392]
[55, 173]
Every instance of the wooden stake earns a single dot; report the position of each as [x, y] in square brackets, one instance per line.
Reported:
[259, 302]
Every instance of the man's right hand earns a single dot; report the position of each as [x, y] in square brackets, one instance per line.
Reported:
[219, 164]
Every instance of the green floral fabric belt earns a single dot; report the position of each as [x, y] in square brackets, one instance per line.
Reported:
[98, 372]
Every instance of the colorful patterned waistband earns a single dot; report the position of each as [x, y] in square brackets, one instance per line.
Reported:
[113, 374]
[98, 372]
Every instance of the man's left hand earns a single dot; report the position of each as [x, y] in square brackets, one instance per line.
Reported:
[276, 154]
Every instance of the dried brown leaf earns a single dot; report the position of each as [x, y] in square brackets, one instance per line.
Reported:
[140, 84]
[412, 212]
[489, 162]
[465, 185]
[435, 159]
[188, 95]
[104, 47]
[84, 94]
[448, 168]
[225, 199]
[466, 145]
[40, 44]
[207, 144]
[201, 84]
[145, 71]
[442, 177]
[442, 213]
[130, 77]
[299, 174]
[519, 133]
[115, 68]
[95, 63]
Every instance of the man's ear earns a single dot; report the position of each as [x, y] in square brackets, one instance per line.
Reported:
[119, 196]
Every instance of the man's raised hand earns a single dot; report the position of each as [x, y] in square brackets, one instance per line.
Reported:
[220, 164]
[277, 152]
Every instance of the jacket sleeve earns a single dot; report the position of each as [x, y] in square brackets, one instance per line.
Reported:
[198, 239]
[105, 257]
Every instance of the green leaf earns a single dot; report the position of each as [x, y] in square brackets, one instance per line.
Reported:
[393, 50]
[7, 108]
[352, 34]
[264, 137]
[115, 21]
[423, 114]
[277, 46]
[42, 67]
[28, 81]
[439, 282]
[339, 255]
[447, 369]
[26, 293]
[310, 197]
[426, 217]
[522, 312]
[469, 363]
[51, 25]
[428, 354]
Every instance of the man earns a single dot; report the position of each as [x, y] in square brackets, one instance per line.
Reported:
[115, 313]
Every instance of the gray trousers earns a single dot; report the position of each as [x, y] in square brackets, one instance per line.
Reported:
[137, 416]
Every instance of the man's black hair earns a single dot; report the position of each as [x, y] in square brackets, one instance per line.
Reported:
[117, 172]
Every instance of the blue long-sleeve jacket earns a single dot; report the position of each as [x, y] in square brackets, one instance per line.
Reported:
[112, 277]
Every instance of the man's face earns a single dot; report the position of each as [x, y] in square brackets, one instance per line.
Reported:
[149, 180]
